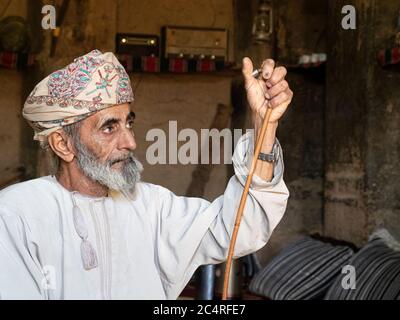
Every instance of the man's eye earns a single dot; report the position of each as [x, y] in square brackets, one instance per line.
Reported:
[108, 129]
[129, 125]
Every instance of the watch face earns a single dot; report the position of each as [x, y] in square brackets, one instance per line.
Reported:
[270, 157]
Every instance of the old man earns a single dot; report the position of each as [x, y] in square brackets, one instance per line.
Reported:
[94, 230]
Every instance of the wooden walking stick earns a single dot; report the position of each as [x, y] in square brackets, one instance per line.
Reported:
[243, 199]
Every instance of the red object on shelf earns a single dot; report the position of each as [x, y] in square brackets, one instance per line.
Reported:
[8, 59]
[389, 56]
[14, 60]
[205, 65]
[178, 65]
[150, 64]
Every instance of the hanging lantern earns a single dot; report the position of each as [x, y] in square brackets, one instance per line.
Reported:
[397, 36]
[263, 22]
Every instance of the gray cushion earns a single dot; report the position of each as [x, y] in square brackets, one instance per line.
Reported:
[377, 271]
[303, 270]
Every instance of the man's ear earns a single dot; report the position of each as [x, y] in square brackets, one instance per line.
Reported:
[61, 145]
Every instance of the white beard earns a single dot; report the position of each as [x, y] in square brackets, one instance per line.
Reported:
[123, 179]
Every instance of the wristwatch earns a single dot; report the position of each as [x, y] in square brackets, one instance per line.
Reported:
[270, 157]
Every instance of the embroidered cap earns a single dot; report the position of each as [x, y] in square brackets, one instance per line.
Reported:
[90, 83]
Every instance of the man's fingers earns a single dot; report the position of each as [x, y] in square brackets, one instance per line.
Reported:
[281, 98]
[277, 89]
[247, 70]
[267, 68]
[278, 74]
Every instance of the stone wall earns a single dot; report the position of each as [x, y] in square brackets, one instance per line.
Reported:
[362, 125]
[383, 125]
[11, 95]
[10, 135]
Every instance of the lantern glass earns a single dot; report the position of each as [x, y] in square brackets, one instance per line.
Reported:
[262, 24]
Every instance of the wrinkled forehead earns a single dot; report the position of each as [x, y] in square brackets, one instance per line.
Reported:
[120, 112]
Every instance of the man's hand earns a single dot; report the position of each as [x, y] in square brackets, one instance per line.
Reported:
[269, 90]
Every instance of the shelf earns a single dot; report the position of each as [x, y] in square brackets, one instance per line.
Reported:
[225, 73]
[389, 57]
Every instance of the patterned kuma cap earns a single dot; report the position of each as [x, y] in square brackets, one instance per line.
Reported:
[90, 83]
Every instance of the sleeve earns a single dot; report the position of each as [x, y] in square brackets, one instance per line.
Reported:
[20, 272]
[192, 231]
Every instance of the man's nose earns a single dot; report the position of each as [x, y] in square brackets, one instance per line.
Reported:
[127, 140]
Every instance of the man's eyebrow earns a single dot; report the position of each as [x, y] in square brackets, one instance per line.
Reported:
[109, 122]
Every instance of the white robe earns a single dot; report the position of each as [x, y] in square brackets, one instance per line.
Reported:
[148, 243]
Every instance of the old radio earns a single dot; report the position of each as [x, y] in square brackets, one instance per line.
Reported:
[194, 44]
[138, 52]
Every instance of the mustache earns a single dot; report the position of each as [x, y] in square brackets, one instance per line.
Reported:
[129, 158]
